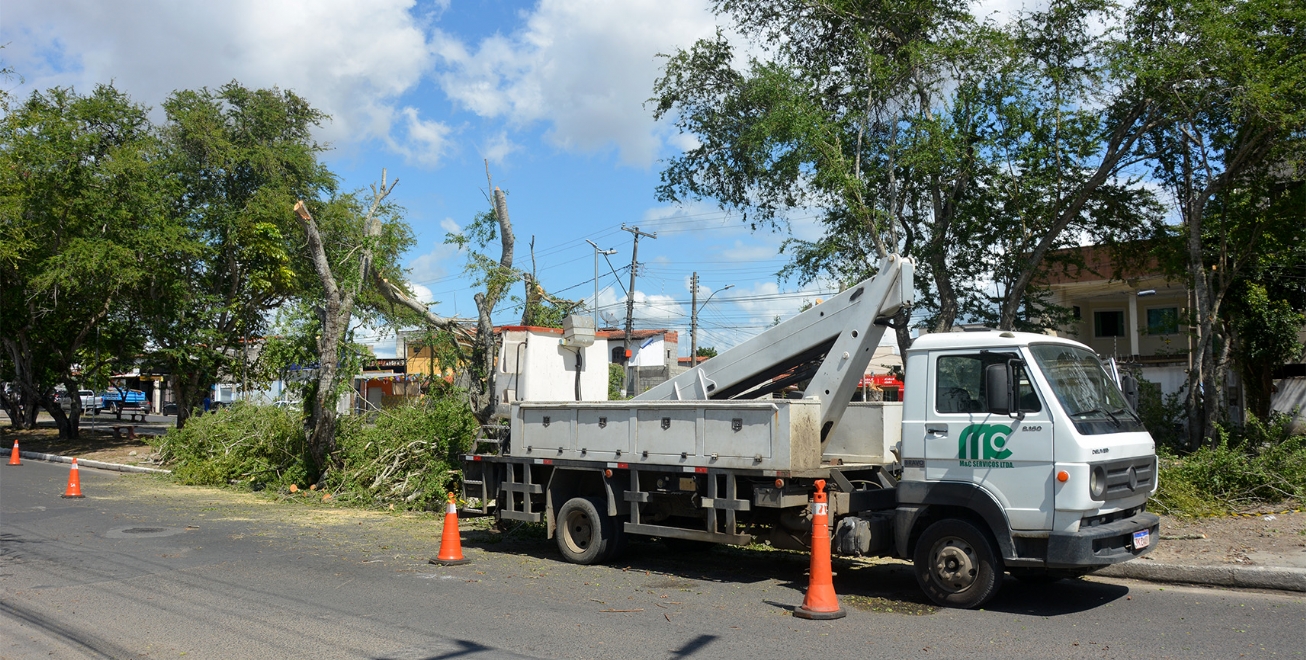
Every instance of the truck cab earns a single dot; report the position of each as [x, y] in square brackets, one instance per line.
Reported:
[1029, 434]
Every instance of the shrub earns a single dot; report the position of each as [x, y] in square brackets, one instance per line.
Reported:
[408, 457]
[1163, 415]
[405, 456]
[262, 445]
[1259, 463]
[616, 381]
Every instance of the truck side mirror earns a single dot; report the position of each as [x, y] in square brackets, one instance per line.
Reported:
[997, 386]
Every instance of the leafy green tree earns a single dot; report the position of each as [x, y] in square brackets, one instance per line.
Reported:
[916, 130]
[237, 161]
[706, 351]
[1230, 76]
[82, 208]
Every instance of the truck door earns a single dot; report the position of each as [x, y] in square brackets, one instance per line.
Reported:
[1010, 459]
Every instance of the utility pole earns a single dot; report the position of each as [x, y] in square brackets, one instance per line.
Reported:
[597, 252]
[693, 319]
[630, 299]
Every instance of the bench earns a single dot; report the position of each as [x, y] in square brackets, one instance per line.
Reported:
[130, 429]
[132, 414]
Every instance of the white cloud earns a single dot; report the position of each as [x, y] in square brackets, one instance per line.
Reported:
[652, 310]
[584, 66]
[422, 293]
[432, 266]
[499, 147]
[350, 58]
[751, 251]
[426, 141]
[450, 226]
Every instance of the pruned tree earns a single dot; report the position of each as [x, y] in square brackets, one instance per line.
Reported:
[338, 301]
[496, 276]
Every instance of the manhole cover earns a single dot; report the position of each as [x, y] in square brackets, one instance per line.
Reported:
[142, 532]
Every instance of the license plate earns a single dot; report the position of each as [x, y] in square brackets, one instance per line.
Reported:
[1142, 539]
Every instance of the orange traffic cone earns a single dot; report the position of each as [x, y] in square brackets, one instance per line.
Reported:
[451, 545]
[74, 482]
[13, 454]
[821, 601]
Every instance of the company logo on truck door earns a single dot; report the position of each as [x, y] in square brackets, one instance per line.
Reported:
[984, 446]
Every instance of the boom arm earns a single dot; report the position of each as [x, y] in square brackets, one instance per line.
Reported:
[831, 344]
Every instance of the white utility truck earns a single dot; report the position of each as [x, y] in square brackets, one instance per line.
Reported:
[1010, 452]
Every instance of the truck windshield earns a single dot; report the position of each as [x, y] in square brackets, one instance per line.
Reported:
[1085, 391]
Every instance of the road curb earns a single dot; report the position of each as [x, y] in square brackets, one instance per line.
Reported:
[1254, 577]
[86, 462]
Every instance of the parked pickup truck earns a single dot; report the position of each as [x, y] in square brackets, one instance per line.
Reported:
[116, 400]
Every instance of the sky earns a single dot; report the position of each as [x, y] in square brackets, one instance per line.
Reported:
[551, 93]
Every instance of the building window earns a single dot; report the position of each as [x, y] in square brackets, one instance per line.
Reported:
[1163, 321]
[1108, 324]
[1076, 313]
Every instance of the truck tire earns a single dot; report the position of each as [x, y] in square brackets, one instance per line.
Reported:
[584, 535]
[620, 539]
[955, 564]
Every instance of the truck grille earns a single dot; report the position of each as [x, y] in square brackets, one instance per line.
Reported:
[1129, 476]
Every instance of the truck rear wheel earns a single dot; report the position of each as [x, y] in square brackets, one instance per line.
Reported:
[955, 564]
[584, 535]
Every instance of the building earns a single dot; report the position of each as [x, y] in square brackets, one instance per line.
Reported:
[1136, 316]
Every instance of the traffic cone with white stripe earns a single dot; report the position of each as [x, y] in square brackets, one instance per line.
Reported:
[821, 602]
[451, 544]
[13, 454]
[74, 482]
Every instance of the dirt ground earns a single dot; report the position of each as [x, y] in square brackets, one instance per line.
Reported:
[1266, 537]
[1263, 537]
[93, 444]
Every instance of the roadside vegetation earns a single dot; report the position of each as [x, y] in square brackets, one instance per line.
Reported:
[1254, 466]
[404, 456]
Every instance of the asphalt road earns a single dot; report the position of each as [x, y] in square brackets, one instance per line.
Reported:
[141, 568]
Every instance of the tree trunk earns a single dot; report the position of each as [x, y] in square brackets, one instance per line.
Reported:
[482, 392]
[27, 399]
[70, 424]
[322, 433]
[321, 424]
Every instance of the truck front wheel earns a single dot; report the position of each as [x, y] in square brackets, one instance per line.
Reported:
[955, 564]
[584, 534]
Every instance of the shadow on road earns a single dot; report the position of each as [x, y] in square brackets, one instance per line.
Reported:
[1055, 598]
[885, 587]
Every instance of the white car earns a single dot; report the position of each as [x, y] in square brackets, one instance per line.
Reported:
[89, 401]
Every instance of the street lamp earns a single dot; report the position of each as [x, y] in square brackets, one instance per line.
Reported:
[597, 252]
[694, 307]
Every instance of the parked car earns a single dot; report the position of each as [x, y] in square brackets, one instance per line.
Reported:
[90, 402]
[170, 408]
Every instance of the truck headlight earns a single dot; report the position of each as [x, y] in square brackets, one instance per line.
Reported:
[1097, 482]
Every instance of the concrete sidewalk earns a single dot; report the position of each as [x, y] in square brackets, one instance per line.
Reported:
[1284, 578]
